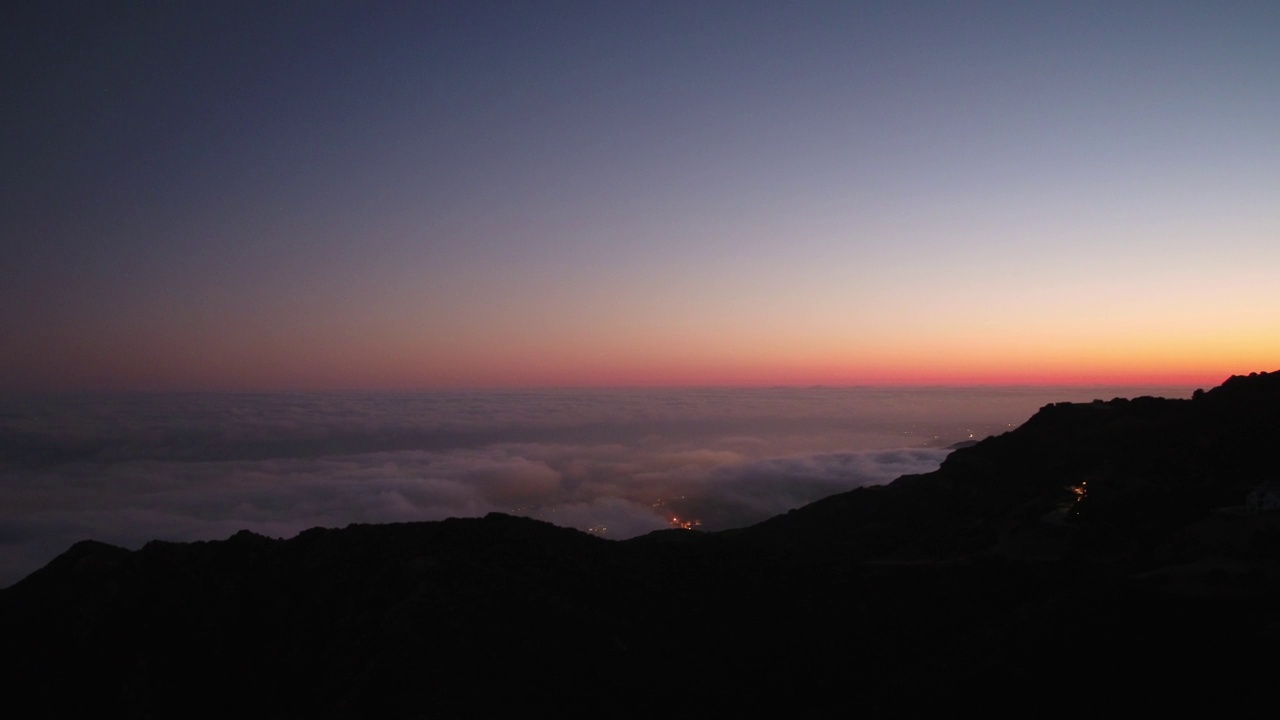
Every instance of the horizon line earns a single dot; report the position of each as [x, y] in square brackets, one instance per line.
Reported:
[551, 388]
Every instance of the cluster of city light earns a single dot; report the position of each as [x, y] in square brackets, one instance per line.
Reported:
[675, 520]
[685, 524]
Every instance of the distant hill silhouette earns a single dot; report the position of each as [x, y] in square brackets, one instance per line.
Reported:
[1099, 558]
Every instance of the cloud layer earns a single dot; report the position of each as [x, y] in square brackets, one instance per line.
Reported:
[129, 469]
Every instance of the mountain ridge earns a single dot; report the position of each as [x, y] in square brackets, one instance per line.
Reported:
[1077, 540]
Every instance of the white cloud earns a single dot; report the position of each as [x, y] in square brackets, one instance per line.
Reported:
[129, 469]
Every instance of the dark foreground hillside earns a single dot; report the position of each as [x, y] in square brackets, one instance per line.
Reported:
[1101, 558]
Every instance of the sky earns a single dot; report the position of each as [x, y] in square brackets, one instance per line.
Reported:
[267, 196]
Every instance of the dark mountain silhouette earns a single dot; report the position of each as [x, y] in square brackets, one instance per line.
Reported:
[1100, 558]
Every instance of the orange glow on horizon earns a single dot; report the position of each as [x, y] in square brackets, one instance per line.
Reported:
[377, 363]
[335, 374]
[783, 376]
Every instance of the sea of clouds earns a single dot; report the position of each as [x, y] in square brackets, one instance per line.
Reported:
[126, 469]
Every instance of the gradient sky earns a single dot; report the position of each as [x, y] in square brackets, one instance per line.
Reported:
[270, 195]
